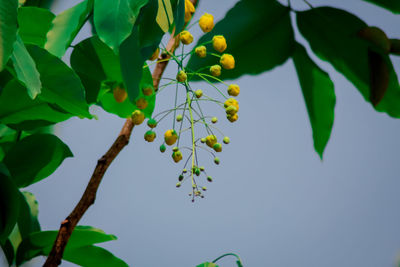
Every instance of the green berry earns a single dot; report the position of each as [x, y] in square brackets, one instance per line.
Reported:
[214, 119]
[202, 168]
[175, 148]
[209, 178]
[226, 140]
[204, 188]
[162, 148]
[152, 123]
[216, 160]
[178, 184]
[197, 171]
[203, 140]
[217, 147]
[179, 117]
[180, 177]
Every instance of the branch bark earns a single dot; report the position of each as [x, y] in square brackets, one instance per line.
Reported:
[89, 196]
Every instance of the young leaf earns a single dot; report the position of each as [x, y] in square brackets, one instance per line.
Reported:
[65, 26]
[114, 22]
[40, 243]
[392, 5]
[9, 205]
[34, 23]
[165, 16]
[40, 154]
[258, 34]
[26, 109]
[25, 68]
[60, 84]
[333, 35]
[92, 256]
[131, 64]
[319, 95]
[8, 29]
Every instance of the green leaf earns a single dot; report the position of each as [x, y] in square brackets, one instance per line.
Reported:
[8, 250]
[40, 243]
[207, 264]
[26, 109]
[25, 68]
[165, 16]
[95, 62]
[28, 216]
[66, 26]
[92, 256]
[259, 35]
[131, 64]
[333, 36]
[125, 109]
[180, 17]
[34, 23]
[8, 29]
[9, 206]
[61, 85]
[114, 22]
[319, 95]
[392, 5]
[40, 154]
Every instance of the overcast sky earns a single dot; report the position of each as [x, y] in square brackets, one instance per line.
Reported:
[273, 201]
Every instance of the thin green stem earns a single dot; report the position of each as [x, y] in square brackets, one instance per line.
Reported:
[239, 261]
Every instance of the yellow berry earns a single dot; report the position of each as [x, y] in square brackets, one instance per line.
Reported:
[119, 94]
[186, 37]
[201, 51]
[219, 43]
[215, 70]
[233, 89]
[206, 22]
[179, 117]
[177, 156]
[231, 110]
[198, 93]
[226, 140]
[149, 136]
[189, 10]
[231, 102]
[216, 161]
[178, 184]
[214, 120]
[211, 140]
[232, 118]
[155, 54]
[147, 91]
[170, 137]
[141, 103]
[227, 61]
[181, 77]
[137, 117]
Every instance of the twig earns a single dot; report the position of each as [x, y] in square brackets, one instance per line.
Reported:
[89, 196]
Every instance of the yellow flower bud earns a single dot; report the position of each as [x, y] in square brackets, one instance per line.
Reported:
[215, 70]
[227, 61]
[219, 43]
[201, 51]
[231, 102]
[231, 110]
[189, 10]
[154, 56]
[233, 89]
[232, 118]
[141, 103]
[119, 94]
[211, 140]
[186, 37]
[137, 117]
[206, 22]
[147, 91]
[149, 136]
[170, 137]
[181, 77]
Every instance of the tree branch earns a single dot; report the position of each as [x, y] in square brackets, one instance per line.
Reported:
[89, 196]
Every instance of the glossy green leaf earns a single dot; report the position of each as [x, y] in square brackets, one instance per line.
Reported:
[40, 243]
[207, 264]
[180, 17]
[392, 5]
[66, 26]
[40, 154]
[8, 250]
[92, 256]
[95, 62]
[34, 23]
[333, 36]
[25, 68]
[165, 16]
[114, 22]
[8, 29]
[26, 109]
[9, 206]
[259, 35]
[28, 216]
[60, 84]
[319, 95]
[125, 109]
[131, 64]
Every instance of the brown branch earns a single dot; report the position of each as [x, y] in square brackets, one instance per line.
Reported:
[89, 196]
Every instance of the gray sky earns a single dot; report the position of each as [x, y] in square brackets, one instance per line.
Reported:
[272, 201]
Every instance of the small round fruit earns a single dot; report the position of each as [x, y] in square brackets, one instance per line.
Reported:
[147, 91]
[232, 118]
[179, 117]
[231, 110]
[162, 148]
[149, 136]
[214, 120]
[233, 90]
[137, 117]
[180, 178]
[215, 70]
[202, 168]
[203, 140]
[152, 123]
[217, 147]
[142, 103]
[211, 140]
[177, 156]
[181, 76]
[204, 188]
[226, 140]
[201, 51]
[119, 94]
[178, 184]
[175, 148]
[197, 171]
[184, 171]
[209, 178]
[198, 93]
[170, 137]
[216, 160]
